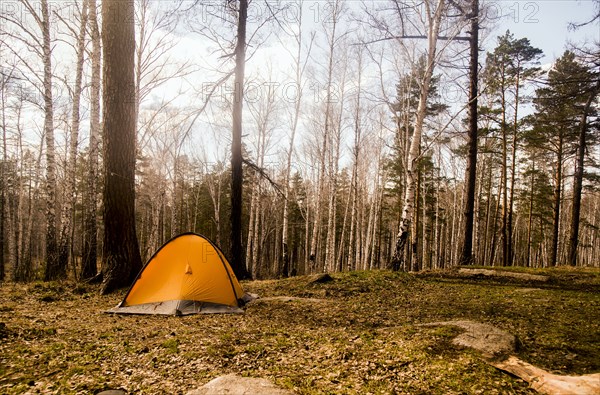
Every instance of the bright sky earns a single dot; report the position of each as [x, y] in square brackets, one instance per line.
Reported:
[545, 23]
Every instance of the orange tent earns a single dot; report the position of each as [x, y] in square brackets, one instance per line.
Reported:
[188, 275]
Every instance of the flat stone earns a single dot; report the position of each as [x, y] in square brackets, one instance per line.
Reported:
[502, 273]
[236, 385]
[486, 338]
[492, 342]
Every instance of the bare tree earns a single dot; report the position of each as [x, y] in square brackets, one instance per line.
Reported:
[333, 37]
[65, 237]
[434, 15]
[90, 233]
[299, 68]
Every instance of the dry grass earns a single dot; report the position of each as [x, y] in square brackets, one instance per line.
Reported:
[363, 338]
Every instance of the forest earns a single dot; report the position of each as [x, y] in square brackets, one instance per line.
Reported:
[384, 197]
[361, 125]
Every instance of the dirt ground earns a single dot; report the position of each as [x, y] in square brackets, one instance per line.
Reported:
[357, 334]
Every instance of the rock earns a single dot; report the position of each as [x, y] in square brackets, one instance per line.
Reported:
[237, 385]
[320, 278]
[493, 342]
[248, 297]
[486, 338]
[501, 273]
[112, 392]
[3, 331]
[548, 383]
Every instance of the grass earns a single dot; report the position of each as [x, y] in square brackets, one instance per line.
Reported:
[363, 337]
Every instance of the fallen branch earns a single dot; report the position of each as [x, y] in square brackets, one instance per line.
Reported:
[548, 383]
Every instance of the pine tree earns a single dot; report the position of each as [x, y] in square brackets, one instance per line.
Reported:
[512, 62]
[558, 108]
[122, 260]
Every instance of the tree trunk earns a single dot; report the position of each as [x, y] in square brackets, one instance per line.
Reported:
[578, 179]
[352, 239]
[3, 183]
[530, 216]
[504, 181]
[122, 260]
[425, 262]
[237, 176]
[471, 176]
[513, 165]
[556, 204]
[495, 224]
[284, 270]
[68, 213]
[214, 182]
[90, 234]
[413, 153]
[53, 267]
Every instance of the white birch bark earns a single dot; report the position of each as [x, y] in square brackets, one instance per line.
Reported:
[70, 197]
[90, 236]
[53, 271]
[434, 17]
[299, 73]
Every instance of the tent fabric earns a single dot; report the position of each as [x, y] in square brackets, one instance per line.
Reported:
[188, 275]
[177, 307]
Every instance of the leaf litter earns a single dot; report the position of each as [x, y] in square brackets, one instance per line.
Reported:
[363, 336]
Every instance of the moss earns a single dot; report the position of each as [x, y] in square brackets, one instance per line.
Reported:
[363, 338]
[171, 345]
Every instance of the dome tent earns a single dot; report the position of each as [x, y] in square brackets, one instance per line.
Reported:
[189, 274]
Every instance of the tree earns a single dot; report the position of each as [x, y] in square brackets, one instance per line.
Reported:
[89, 253]
[592, 92]
[407, 111]
[558, 108]
[54, 269]
[237, 176]
[65, 237]
[121, 253]
[471, 171]
[435, 15]
[299, 69]
[592, 55]
[510, 64]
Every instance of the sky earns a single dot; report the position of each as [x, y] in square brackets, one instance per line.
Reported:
[545, 23]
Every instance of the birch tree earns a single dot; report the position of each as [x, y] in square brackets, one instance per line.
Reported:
[331, 25]
[65, 237]
[300, 64]
[433, 14]
[89, 251]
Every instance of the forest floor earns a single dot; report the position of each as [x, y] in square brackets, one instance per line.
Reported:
[357, 334]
